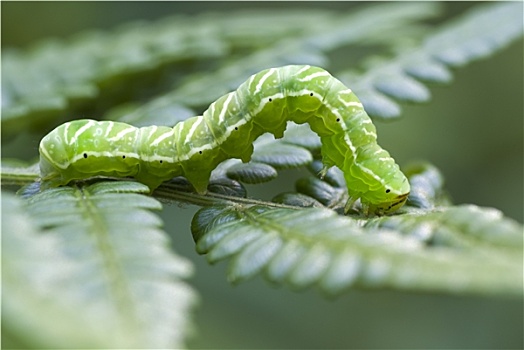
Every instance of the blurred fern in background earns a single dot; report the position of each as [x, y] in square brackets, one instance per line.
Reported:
[95, 264]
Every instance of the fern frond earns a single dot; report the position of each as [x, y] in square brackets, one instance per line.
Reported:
[34, 269]
[480, 32]
[15, 172]
[72, 74]
[460, 227]
[252, 172]
[200, 89]
[124, 284]
[308, 247]
[279, 154]
[427, 186]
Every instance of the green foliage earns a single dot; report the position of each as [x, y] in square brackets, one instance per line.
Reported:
[17, 172]
[88, 265]
[103, 66]
[476, 35]
[317, 246]
[449, 248]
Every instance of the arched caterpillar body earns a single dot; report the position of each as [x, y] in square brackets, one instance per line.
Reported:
[227, 129]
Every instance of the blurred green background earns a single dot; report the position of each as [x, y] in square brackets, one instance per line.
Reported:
[472, 130]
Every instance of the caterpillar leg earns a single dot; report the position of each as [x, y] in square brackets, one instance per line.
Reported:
[322, 174]
[246, 155]
[349, 204]
[365, 209]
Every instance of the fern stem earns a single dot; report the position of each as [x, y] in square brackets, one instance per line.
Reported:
[169, 192]
[118, 286]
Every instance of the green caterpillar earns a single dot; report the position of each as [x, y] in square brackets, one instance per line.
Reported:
[193, 148]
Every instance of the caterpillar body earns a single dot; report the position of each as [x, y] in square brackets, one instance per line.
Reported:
[264, 103]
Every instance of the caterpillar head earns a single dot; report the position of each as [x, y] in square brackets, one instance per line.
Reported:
[388, 198]
[388, 207]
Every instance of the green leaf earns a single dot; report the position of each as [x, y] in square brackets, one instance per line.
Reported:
[279, 154]
[252, 172]
[107, 232]
[16, 172]
[35, 273]
[480, 32]
[91, 65]
[301, 135]
[162, 112]
[301, 248]
[427, 186]
[226, 187]
[461, 227]
[306, 47]
[297, 200]
[323, 192]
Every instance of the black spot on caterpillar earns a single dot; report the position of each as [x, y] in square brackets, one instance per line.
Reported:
[227, 129]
